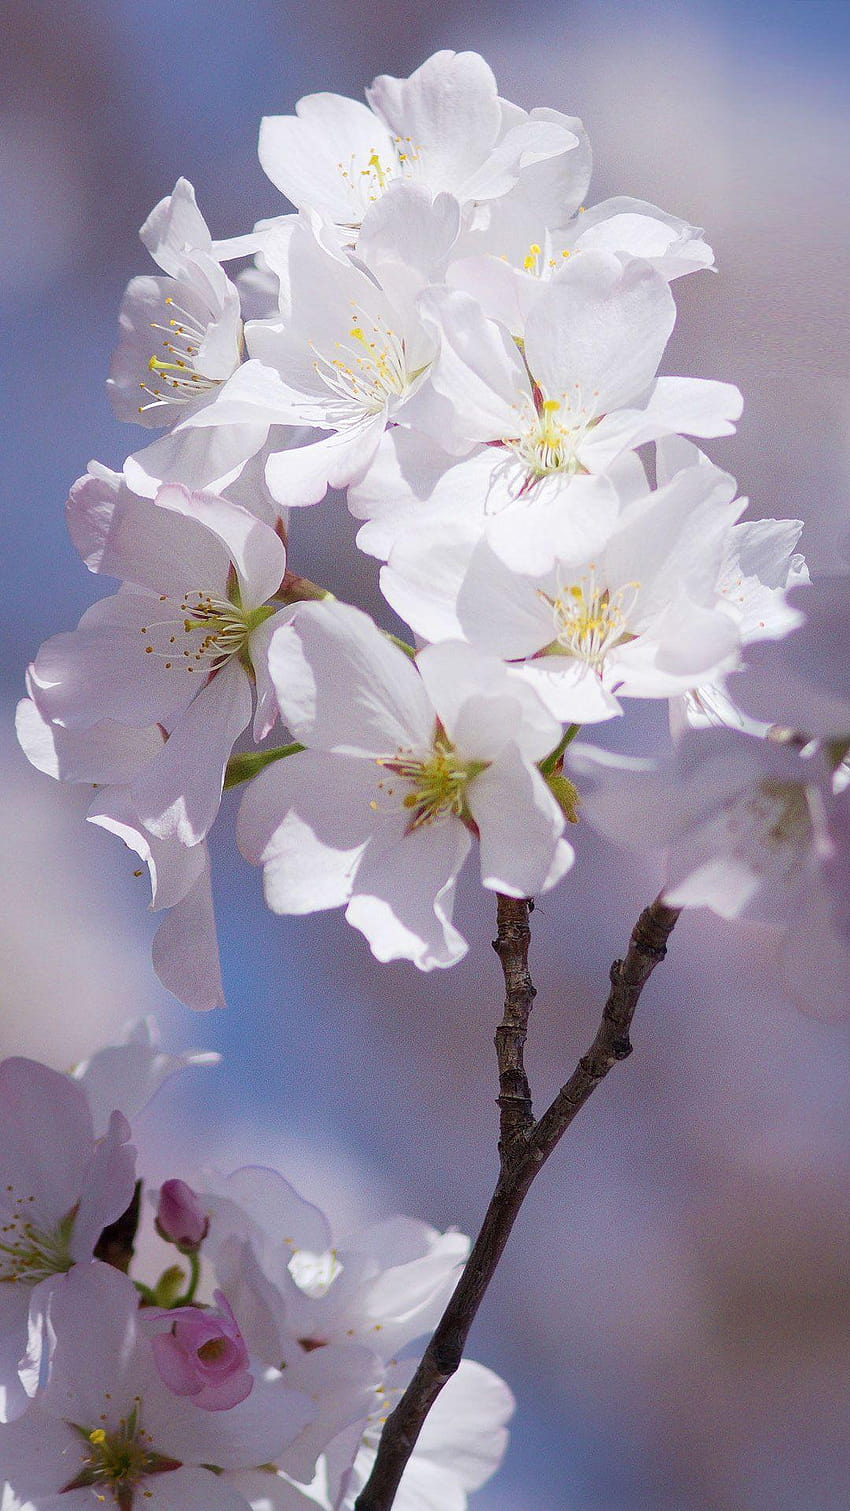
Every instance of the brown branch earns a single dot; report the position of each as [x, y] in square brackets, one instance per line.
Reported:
[524, 1147]
[513, 937]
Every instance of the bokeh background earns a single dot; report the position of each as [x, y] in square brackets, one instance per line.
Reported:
[673, 1309]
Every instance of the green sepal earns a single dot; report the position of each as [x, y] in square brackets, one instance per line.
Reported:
[169, 1287]
[565, 794]
[241, 768]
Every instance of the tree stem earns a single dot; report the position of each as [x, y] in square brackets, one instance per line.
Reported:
[524, 1146]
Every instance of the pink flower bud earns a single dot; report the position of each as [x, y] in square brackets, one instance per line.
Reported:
[179, 1217]
[204, 1356]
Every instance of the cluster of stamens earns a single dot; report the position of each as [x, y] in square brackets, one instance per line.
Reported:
[117, 1460]
[203, 634]
[368, 372]
[436, 784]
[178, 378]
[590, 620]
[776, 814]
[551, 433]
[535, 261]
[29, 1253]
[367, 183]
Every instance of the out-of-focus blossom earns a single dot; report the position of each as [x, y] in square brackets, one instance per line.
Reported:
[60, 1187]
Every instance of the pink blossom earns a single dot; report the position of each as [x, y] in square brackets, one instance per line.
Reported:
[180, 1217]
[204, 1355]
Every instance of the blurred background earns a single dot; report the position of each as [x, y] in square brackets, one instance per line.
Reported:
[673, 1312]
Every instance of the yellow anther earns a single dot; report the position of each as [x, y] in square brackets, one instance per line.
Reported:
[97, 1436]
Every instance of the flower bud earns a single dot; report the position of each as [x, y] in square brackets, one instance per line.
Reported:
[204, 1356]
[180, 1219]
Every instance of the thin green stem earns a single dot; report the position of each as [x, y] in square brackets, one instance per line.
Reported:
[552, 761]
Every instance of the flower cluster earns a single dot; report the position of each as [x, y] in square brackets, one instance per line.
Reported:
[445, 330]
[256, 1372]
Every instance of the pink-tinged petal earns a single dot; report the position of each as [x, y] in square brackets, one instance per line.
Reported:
[14, 1396]
[255, 1431]
[449, 108]
[46, 1138]
[106, 752]
[128, 1074]
[599, 330]
[520, 827]
[174, 868]
[466, 1430]
[301, 153]
[267, 711]
[143, 306]
[180, 792]
[306, 820]
[188, 1489]
[343, 687]
[145, 543]
[478, 368]
[405, 893]
[210, 458]
[93, 1315]
[107, 1186]
[102, 670]
[256, 551]
[482, 705]
[302, 475]
[185, 949]
[276, 1207]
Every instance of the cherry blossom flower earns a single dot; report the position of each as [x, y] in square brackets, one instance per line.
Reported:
[803, 684]
[107, 1425]
[59, 1188]
[348, 349]
[445, 127]
[203, 1355]
[752, 829]
[641, 617]
[181, 645]
[404, 764]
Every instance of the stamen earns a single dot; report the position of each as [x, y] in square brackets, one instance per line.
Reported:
[591, 620]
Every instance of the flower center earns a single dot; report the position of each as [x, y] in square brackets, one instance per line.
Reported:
[201, 632]
[29, 1253]
[117, 1460]
[368, 372]
[436, 785]
[539, 262]
[552, 431]
[366, 179]
[780, 812]
[175, 378]
[591, 620]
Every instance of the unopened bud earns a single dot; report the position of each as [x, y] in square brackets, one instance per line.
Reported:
[180, 1219]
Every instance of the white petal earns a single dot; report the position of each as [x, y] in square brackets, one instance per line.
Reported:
[342, 685]
[306, 820]
[521, 827]
[405, 892]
